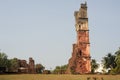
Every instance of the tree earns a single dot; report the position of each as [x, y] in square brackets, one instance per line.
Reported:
[116, 70]
[109, 61]
[3, 60]
[112, 62]
[117, 52]
[64, 67]
[57, 70]
[60, 69]
[94, 65]
[13, 65]
[39, 68]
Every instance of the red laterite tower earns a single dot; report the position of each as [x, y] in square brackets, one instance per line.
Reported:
[80, 61]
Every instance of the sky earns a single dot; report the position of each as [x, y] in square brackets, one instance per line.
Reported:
[45, 29]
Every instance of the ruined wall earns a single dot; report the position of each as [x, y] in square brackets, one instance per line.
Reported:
[31, 66]
[24, 67]
[79, 63]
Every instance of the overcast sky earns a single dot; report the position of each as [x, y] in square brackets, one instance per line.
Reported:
[44, 29]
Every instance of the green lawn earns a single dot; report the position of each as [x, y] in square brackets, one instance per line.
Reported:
[57, 77]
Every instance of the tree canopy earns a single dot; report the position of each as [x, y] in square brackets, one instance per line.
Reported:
[112, 62]
[94, 65]
[3, 60]
[60, 69]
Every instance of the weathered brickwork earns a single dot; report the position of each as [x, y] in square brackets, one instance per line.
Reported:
[24, 67]
[79, 63]
[31, 66]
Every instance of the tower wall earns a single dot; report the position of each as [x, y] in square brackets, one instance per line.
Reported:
[80, 60]
[31, 66]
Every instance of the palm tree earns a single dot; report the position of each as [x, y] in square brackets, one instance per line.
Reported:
[109, 61]
[94, 65]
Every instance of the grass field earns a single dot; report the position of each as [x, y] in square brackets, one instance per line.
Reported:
[57, 77]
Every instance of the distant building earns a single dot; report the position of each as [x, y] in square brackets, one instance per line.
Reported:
[24, 67]
[79, 63]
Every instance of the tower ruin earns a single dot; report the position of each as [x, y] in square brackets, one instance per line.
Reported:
[79, 63]
[31, 66]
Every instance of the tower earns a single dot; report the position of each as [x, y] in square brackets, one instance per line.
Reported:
[80, 61]
[31, 66]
